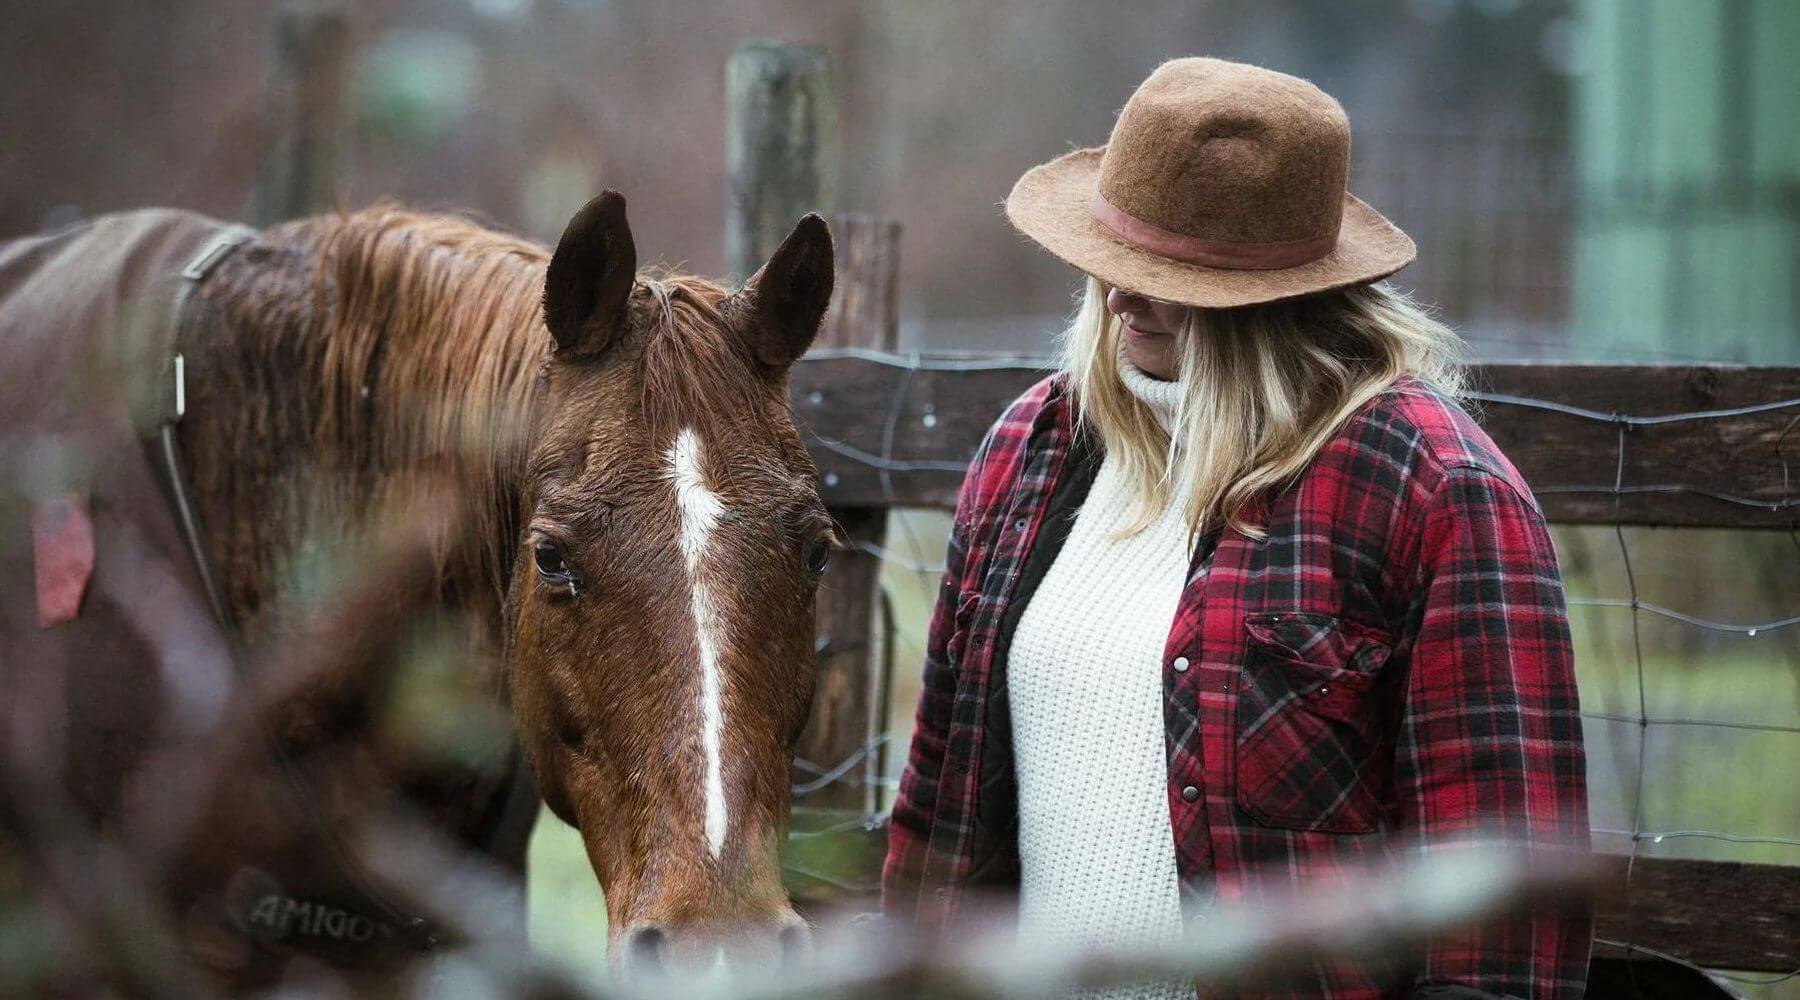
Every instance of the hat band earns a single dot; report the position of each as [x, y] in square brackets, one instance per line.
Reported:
[1209, 253]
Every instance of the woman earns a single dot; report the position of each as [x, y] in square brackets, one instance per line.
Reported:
[1242, 598]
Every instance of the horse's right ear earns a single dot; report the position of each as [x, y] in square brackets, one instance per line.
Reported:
[588, 285]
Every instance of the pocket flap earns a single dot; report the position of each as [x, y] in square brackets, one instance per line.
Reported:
[1321, 640]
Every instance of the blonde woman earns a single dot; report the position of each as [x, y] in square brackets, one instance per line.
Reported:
[1242, 598]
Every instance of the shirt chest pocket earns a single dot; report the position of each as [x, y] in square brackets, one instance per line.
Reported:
[1310, 732]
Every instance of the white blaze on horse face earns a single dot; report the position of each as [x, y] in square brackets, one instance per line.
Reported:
[701, 511]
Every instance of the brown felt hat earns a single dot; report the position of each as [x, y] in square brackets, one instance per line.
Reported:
[1223, 185]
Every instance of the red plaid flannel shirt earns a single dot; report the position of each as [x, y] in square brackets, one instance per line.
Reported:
[1389, 671]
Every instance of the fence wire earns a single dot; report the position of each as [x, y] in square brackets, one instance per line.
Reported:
[887, 464]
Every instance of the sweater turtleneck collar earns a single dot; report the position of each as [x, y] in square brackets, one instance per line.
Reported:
[1160, 395]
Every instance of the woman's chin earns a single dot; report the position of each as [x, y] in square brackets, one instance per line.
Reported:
[1151, 353]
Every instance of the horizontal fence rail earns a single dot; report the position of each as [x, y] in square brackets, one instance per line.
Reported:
[1699, 445]
[1720, 914]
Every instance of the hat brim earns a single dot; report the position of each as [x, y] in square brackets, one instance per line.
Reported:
[1051, 202]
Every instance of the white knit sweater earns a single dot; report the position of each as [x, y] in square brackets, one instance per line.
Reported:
[1085, 678]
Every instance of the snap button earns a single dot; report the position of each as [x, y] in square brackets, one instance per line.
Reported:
[1019, 525]
[1323, 689]
[1180, 664]
[1190, 793]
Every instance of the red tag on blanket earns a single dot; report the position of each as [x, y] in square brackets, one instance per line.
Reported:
[62, 540]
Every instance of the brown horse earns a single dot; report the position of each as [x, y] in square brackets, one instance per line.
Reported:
[635, 568]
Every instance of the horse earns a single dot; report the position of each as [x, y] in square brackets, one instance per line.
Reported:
[630, 574]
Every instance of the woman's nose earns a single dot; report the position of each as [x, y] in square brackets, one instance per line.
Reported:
[1120, 301]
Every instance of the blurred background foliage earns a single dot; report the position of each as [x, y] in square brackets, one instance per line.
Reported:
[1587, 179]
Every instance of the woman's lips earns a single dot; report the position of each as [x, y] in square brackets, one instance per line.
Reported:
[1143, 334]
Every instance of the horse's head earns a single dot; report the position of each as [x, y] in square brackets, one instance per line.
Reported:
[661, 604]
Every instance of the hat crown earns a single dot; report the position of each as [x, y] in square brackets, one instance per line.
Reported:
[1223, 151]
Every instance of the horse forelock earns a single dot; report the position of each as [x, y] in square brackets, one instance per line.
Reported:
[695, 367]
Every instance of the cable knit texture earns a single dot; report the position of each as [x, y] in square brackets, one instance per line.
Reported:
[1085, 678]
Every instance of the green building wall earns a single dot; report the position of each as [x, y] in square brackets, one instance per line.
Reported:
[1687, 150]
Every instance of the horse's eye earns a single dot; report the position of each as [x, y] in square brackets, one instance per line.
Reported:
[550, 564]
[817, 555]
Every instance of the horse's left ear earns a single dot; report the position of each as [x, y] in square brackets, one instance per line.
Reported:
[788, 295]
[588, 284]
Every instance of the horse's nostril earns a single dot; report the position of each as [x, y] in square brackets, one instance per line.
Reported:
[646, 948]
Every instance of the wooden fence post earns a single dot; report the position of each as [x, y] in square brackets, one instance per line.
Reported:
[781, 159]
[304, 111]
[780, 146]
[865, 312]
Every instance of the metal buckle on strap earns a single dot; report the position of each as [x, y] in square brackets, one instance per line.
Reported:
[203, 264]
[179, 366]
[220, 248]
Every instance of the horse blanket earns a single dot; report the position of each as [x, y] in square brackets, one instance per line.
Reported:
[108, 641]
[113, 603]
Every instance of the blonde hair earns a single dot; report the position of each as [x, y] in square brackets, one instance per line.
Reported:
[1264, 387]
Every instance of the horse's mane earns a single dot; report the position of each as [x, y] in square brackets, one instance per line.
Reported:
[431, 344]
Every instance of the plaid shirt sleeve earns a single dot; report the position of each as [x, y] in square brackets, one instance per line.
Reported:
[987, 488]
[909, 826]
[1490, 742]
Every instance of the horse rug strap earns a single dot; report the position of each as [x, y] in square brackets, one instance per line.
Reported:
[175, 379]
